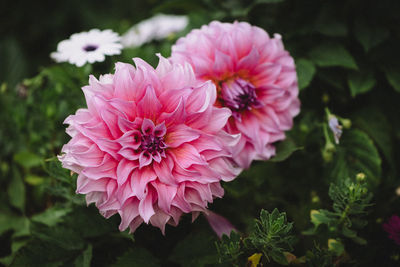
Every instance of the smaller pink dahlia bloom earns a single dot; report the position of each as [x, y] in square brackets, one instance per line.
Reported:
[392, 227]
[150, 145]
[255, 78]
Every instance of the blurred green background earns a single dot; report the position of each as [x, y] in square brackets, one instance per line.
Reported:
[348, 60]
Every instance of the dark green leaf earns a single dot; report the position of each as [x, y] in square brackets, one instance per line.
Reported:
[357, 153]
[332, 55]
[305, 72]
[369, 34]
[40, 253]
[137, 257]
[284, 149]
[52, 216]
[361, 82]
[84, 259]
[61, 236]
[16, 191]
[393, 77]
[196, 249]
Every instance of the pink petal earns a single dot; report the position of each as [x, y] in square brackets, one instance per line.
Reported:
[179, 134]
[219, 224]
[146, 207]
[124, 169]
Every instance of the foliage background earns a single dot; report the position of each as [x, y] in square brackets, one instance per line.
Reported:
[347, 57]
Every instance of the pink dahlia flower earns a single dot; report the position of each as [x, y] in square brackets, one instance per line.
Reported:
[255, 78]
[150, 145]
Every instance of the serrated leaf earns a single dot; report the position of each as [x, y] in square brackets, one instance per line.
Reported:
[361, 82]
[28, 159]
[305, 72]
[284, 149]
[332, 55]
[40, 253]
[369, 34]
[16, 191]
[357, 153]
[52, 216]
[61, 236]
[393, 77]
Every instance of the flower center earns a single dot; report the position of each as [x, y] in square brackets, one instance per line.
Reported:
[239, 95]
[152, 145]
[90, 48]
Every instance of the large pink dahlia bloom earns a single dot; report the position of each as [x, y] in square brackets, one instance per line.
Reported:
[255, 78]
[150, 145]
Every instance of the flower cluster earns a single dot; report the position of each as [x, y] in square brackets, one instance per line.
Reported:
[153, 144]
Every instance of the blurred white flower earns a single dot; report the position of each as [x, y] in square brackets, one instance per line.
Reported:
[154, 28]
[335, 127]
[90, 47]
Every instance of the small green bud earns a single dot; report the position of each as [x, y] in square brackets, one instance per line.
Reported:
[360, 177]
[327, 155]
[346, 123]
[325, 98]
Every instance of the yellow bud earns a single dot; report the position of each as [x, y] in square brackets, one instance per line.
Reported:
[325, 98]
[254, 259]
[289, 257]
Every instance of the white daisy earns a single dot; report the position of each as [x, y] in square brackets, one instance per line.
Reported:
[154, 28]
[90, 47]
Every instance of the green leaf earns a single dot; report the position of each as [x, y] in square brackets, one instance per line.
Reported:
[332, 55]
[9, 221]
[229, 248]
[284, 149]
[373, 122]
[305, 72]
[393, 77]
[357, 153]
[16, 191]
[27, 159]
[361, 82]
[369, 34]
[61, 236]
[320, 217]
[52, 216]
[336, 246]
[278, 256]
[197, 249]
[34, 180]
[137, 257]
[84, 259]
[44, 254]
